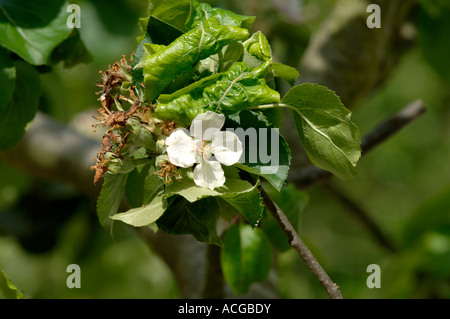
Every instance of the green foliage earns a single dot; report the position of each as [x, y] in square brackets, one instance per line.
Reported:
[329, 137]
[21, 107]
[108, 203]
[39, 36]
[246, 257]
[146, 215]
[198, 219]
[252, 122]
[434, 26]
[32, 30]
[181, 55]
[7, 289]
[233, 91]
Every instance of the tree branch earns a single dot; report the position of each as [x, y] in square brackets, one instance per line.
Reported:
[296, 243]
[310, 175]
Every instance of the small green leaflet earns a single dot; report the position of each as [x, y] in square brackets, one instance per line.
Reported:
[110, 198]
[246, 257]
[7, 289]
[143, 216]
[330, 139]
[203, 11]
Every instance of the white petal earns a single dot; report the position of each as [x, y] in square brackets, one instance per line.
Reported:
[209, 174]
[227, 147]
[205, 125]
[181, 148]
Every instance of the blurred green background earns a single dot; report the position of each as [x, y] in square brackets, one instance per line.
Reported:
[404, 184]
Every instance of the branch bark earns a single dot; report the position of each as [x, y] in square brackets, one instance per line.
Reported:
[296, 243]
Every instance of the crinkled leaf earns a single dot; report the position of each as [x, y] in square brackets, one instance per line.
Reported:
[203, 11]
[235, 90]
[258, 46]
[182, 54]
[330, 139]
[7, 78]
[146, 215]
[22, 107]
[110, 198]
[143, 185]
[266, 153]
[198, 219]
[33, 30]
[7, 289]
[172, 12]
[246, 257]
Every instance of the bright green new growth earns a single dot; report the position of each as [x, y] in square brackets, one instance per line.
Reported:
[233, 91]
[193, 58]
[181, 55]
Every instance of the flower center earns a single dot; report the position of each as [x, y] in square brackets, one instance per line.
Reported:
[204, 149]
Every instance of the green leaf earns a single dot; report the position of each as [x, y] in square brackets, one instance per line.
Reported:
[259, 47]
[240, 194]
[143, 185]
[172, 12]
[71, 51]
[146, 215]
[234, 90]
[330, 139]
[33, 30]
[22, 107]
[204, 11]
[7, 289]
[285, 72]
[249, 204]
[198, 219]
[187, 188]
[292, 202]
[266, 153]
[7, 78]
[186, 51]
[246, 257]
[110, 198]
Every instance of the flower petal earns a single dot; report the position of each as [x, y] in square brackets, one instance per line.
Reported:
[205, 125]
[181, 148]
[209, 174]
[227, 147]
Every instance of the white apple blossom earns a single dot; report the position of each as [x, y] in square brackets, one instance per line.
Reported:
[205, 140]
